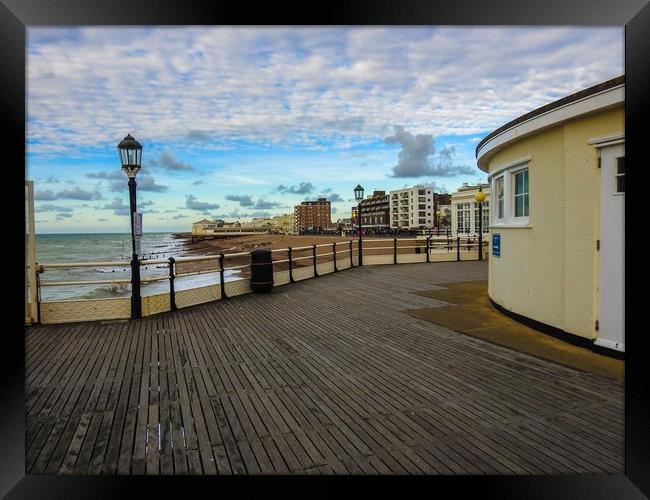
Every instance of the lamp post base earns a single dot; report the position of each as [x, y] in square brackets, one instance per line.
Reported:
[136, 300]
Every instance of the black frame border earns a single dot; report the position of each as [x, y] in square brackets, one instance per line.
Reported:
[17, 15]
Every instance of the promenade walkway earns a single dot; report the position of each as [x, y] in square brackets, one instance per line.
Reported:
[328, 375]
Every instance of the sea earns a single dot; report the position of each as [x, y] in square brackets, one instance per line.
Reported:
[109, 247]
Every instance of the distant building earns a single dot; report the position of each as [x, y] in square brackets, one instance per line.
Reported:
[464, 210]
[206, 227]
[257, 223]
[354, 216]
[277, 224]
[414, 208]
[283, 224]
[375, 211]
[444, 220]
[344, 225]
[203, 227]
[313, 215]
[440, 201]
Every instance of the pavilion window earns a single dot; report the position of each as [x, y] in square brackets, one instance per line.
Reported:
[521, 193]
[620, 174]
[500, 198]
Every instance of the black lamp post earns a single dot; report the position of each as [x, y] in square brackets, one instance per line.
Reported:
[358, 195]
[130, 152]
[480, 198]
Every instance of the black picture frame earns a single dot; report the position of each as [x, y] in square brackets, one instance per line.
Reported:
[17, 15]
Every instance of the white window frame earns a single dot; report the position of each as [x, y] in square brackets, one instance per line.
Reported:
[617, 175]
[463, 217]
[495, 199]
[507, 173]
[523, 219]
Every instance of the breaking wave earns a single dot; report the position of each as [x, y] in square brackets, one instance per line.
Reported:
[104, 291]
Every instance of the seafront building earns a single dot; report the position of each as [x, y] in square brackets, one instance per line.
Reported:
[282, 224]
[344, 225]
[207, 227]
[464, 210]
[415, 207]
[203, 227]
[313, 215]
[557, 177]
[375, 211]
[354, 216]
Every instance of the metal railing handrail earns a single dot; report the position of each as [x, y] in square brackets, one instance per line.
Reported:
[198, 258]
[309, 247]
[149, 262]
[351, 247]
[84, 282]
[63, 265]
[240, 254]
[152, 278]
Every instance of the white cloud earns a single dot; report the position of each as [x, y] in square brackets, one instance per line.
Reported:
[192, 203]
[215, 86]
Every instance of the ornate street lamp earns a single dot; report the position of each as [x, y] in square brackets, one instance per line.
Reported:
[480, 198]
[358, 195]
[130, 152]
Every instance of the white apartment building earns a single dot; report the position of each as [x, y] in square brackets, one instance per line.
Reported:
[412, 208]
[464, 210]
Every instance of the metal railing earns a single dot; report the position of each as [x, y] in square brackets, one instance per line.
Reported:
[164, 288]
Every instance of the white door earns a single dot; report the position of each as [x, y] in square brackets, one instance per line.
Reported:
[611, 331]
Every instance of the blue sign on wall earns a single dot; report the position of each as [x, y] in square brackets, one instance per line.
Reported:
[496, 245]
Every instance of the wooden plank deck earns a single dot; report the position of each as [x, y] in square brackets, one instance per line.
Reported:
[325, 376]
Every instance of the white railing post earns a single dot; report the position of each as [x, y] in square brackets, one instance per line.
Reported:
[31, 306]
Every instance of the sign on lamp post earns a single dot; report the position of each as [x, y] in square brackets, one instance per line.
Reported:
[137, 224]
[137, 232]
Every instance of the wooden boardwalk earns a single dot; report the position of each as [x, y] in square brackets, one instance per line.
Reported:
[326, 376]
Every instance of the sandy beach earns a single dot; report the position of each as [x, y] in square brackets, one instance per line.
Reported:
[237, 244]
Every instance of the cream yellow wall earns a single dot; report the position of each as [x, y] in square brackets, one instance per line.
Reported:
[549, 271]
[528, 277]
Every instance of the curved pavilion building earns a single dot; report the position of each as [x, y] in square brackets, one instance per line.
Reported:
[557, 177]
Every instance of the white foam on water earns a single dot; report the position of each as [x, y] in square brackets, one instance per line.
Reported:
[113, 247]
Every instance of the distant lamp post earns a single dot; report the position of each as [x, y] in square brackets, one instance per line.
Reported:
[130, 152]
[358, 195]
[480, 198]
[438, 214]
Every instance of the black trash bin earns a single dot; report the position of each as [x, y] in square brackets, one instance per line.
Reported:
[261, 270]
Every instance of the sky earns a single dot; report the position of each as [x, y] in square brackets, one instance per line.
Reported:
[240, 122]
